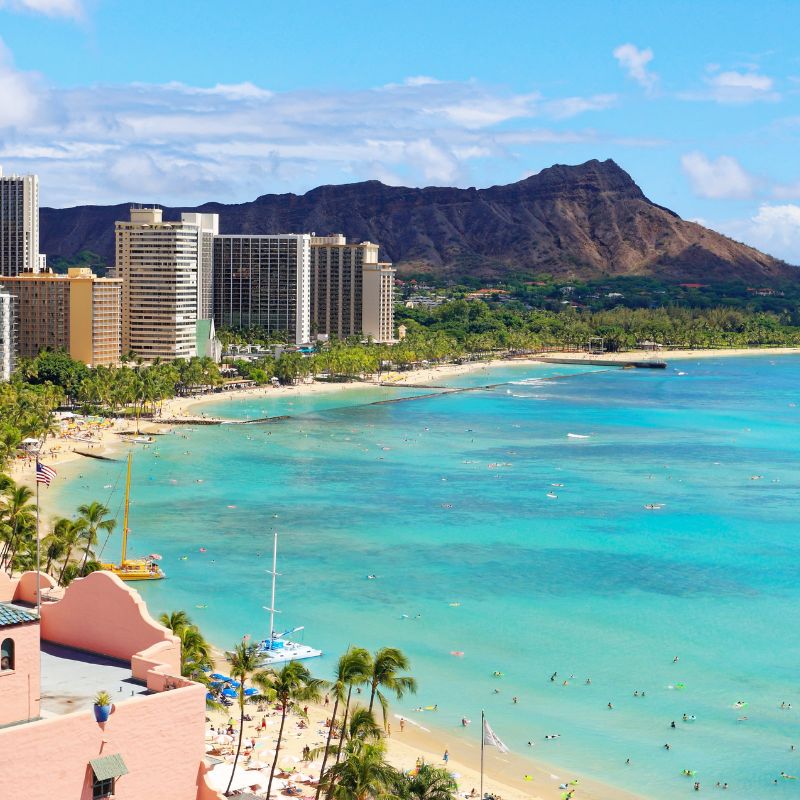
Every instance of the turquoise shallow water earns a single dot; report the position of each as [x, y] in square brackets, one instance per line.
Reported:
[589, 583]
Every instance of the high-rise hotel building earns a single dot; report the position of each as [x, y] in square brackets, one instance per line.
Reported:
[8, 331]
[77, 312]
[263, 282]
[166, 270]
[19, 224]
[352, 293]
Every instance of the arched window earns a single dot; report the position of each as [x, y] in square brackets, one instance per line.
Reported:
[7, 654]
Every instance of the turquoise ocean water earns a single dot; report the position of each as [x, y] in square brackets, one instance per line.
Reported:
[445, 499]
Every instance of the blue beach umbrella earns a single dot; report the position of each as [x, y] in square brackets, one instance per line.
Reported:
[209, 696]
[250, 692]
[217, 684]
[219, 677]
[229, 693]
[235, 684]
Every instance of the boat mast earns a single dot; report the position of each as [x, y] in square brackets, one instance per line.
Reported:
[272, 610]
[125, 515]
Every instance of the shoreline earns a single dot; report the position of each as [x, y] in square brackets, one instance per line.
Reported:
[504, 773]
[510, 776]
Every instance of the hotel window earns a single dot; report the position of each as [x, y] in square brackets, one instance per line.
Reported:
[7, 654]
[102, 788]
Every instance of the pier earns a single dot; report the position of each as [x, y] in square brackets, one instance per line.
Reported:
[605, 362]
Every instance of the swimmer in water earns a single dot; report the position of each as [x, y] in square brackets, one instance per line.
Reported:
[610, 707]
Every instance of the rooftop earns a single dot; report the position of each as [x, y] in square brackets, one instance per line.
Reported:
[15, 615]
[72, 678]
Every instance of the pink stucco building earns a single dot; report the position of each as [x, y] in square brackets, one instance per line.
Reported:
[95, 636]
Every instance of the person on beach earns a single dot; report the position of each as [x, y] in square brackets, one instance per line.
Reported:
[402, 724]
[446, 757]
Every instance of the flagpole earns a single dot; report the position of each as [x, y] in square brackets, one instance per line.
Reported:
[483, 738]
[38, 551]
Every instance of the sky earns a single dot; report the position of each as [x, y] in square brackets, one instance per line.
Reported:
[184, 102]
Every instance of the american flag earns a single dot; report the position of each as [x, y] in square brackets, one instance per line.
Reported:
[44, 474]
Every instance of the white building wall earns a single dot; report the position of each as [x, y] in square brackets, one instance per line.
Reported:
[158, 264]
[7, 334]
[19, 224]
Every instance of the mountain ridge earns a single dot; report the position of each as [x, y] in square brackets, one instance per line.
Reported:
[585, 221]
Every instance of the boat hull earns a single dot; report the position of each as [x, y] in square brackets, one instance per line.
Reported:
[290, 651]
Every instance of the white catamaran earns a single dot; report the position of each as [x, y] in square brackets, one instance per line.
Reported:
[277, 649]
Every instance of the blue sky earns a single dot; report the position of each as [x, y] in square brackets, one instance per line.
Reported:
[184, 102]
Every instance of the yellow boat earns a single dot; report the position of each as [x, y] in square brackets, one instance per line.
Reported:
[137, 569]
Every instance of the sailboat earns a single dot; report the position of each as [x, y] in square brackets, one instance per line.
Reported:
[138, 569]
[277, 649]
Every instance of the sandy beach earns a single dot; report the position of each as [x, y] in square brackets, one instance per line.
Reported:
[191, 407]
[513, 776]
[509, 776]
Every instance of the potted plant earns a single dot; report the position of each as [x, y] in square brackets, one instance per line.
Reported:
[102, 707]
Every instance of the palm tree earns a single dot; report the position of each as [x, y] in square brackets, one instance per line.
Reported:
[70, 532]
[245, 660]
[362, 726]
[195, 650]
[94, 518]
[175, 620]
[292, 683]
[386, 663]
[358, 676]
[429, 783]
[54, 548]
[353, 667]
[19, 519]
[363, 775]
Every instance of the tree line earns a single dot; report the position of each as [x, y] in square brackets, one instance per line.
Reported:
[68, 551]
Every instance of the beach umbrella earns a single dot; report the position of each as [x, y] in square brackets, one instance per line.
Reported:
[233, 683]
[209, 696]
[218, 778]
[278, 784]
[219, 677]
[250, 692]
[217, 683]
[229, 693]
[224, 738]
[254, 763]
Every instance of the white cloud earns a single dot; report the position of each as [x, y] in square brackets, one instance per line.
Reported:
[181, 144]
[50, 8]
[787, 191]
[741, 87]
[634, 61]
[571, 106]
[733, 87]
[723, 178]
[775, 229]
[19, 100]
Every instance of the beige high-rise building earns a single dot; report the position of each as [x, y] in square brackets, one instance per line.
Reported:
[166, 272]
[378, 303]
[348, 294]
[77, 312]
[19, 224]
